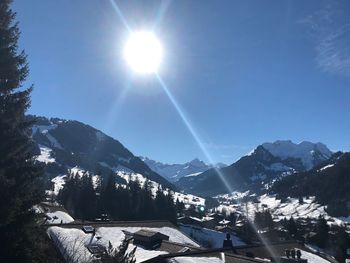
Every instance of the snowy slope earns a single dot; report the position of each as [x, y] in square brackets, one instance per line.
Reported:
[187, 199]
[329, 182]
[280, 210]
[63, 144]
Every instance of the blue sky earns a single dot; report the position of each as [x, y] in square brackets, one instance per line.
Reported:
[243, 72]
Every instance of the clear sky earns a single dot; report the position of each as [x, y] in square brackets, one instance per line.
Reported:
[243, 72]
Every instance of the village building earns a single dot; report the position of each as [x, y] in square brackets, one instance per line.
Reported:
[162, 242]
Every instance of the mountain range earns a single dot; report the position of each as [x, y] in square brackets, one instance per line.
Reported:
[174, 172]
[282, 167]
[259, 169]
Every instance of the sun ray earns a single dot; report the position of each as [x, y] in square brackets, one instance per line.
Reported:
[190, 128]
[116, 106]
[194, 134]
[164, 5]
[120, 14]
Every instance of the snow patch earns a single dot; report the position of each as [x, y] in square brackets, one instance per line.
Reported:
[45, 155]
[43, 128]
[326, 167]
[194, 174]
[59, 182]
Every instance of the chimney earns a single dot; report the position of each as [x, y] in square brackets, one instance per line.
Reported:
[293, 253]
[299, 254]
[227, 242]
[92, 236]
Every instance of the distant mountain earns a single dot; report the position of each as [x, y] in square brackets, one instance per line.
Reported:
[174, 172]
[329, 182]
[310, 154]
[63, 144]
[259, 169]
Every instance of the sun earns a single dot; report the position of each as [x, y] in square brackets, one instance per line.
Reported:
[143, 52]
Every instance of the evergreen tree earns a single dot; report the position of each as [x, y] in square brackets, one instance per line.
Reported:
[87, 198]
[160, 203]
[20, 178]
[341, 244]
[263, 219]
[69, 196]
[147, 208]
[120, 255]
[292, 227]
[301, 200]
[268, 219]
[322, 235]
[180, 206]
[108, 196]
[171, 214]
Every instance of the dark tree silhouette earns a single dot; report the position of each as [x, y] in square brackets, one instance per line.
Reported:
[123, 202]
[20, 178]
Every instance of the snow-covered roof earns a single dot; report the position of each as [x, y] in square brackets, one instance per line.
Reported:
[207, 218]
[59, 217]
[73, 241]
[312, 258]
[224, 222]
[196, 218]
[197, 260]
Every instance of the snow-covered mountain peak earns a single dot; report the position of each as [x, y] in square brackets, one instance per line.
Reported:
[309, 153]
[173, 172]
[197, 162]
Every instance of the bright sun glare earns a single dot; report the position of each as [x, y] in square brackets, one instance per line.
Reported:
[143, 52]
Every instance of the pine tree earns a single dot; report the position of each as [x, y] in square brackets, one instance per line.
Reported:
[171, 214]
[341, 244]
[108, 196]
[301, 200]
[87, 198]
[322, 235]
[292, 227]
[20, 178]
[147, 209]
[120, 255]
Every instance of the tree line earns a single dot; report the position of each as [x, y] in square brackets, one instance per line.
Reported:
[88, 200]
